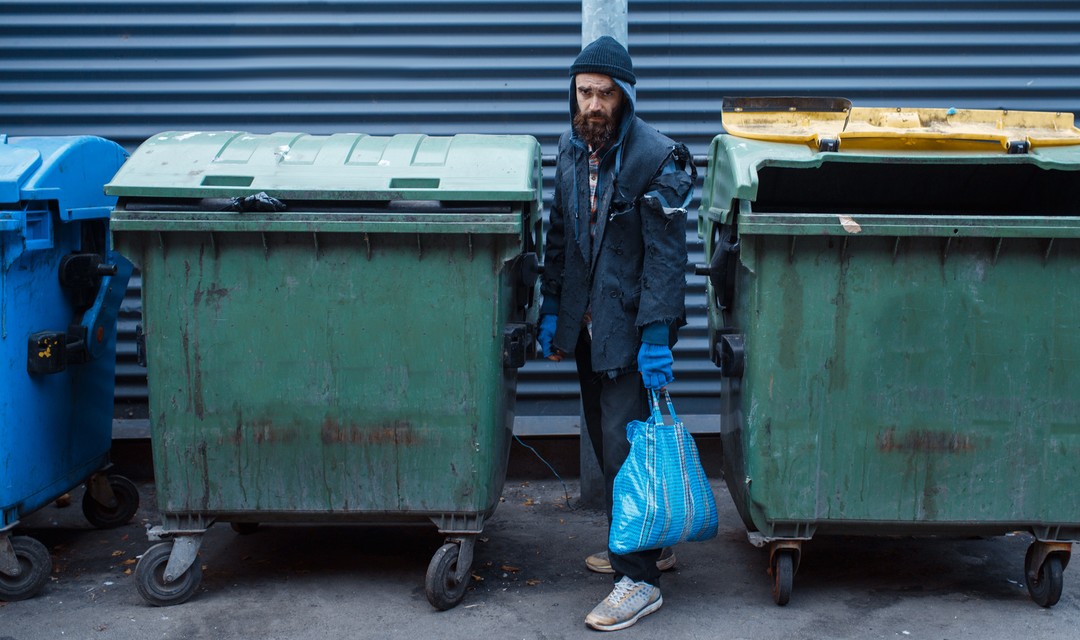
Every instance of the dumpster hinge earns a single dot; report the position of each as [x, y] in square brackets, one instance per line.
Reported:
[828, 145]
[1018, 146]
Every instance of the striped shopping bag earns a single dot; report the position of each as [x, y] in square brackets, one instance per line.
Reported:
[661, 494]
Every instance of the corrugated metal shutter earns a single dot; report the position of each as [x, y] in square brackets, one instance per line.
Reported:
[128, 69]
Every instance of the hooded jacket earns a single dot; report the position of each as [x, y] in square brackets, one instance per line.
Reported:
[631, 273]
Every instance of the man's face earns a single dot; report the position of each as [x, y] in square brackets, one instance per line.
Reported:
[599, 103]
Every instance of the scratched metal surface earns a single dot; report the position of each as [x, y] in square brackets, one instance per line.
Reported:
[913, 373]
[294, 380]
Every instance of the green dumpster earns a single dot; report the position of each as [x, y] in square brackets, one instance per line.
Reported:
[893, 308]
[332, 326]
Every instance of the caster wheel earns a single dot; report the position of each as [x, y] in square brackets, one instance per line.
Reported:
[1044, 583]
[36, 565]
[150, 578]
[244, 528]
[783, 574]
[127, 503]
[443, 591]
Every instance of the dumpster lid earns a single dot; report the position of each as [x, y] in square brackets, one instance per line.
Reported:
[346, 166]
[66, 169]
[831, 124]
[16, 167]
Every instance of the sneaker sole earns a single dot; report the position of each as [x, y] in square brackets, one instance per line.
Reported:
[622, 625]
[663, 564]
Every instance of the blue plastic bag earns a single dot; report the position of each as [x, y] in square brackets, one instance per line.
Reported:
[661, 494]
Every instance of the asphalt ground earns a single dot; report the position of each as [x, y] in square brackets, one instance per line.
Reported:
[293, 581]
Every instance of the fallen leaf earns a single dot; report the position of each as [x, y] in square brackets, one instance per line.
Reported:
[477, 578]
[129, 561]
[117, 554]
[529, 502]
[510, 568]
[127, 572]
[532, 582]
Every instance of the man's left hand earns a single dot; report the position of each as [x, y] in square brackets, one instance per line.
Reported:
[654, 363]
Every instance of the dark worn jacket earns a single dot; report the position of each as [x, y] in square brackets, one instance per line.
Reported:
[631, 274]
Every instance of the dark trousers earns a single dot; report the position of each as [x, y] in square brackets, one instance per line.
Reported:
[609, 404]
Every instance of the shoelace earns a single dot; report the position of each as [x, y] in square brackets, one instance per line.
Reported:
[622, 589]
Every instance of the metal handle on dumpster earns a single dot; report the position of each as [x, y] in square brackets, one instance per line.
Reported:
[98, 288]
[81, 273]
[721, 269]
[518, 338]
[731, 354]
[531, 268]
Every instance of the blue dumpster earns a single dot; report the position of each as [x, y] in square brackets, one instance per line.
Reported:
[60, 291]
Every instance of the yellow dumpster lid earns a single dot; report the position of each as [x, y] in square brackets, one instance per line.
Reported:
[831, 124]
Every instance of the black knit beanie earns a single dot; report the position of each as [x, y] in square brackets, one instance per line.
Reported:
[605, 55]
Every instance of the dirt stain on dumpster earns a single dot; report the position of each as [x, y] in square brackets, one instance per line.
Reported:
[924, 440]
[401, 432]
[213, 295]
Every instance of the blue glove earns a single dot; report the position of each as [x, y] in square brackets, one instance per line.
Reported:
[654, 362]
[547, 333]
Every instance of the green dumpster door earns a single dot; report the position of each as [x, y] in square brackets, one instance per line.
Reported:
[343, 358]
[911, 333]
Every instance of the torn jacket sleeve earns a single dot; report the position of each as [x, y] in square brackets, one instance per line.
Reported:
[663, 216]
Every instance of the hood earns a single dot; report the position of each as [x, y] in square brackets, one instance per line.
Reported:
[629, 111]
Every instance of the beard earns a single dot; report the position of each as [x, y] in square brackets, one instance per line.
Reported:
[596, 134]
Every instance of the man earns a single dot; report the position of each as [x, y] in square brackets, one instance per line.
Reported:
[614, 283]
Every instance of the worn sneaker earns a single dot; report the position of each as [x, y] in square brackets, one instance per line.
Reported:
[601, 563]
[627, 603]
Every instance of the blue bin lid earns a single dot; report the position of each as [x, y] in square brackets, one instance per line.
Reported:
[68, 169]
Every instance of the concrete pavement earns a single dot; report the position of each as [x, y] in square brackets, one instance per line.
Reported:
[353, 581]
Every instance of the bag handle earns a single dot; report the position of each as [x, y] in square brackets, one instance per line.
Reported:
[657, 415]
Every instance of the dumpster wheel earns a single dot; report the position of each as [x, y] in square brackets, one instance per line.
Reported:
[1044, 582]
[35, 567]
[150, 578]
[444, 589]
[783, 575]
[127, 503]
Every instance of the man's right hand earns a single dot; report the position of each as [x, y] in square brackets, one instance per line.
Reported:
[546, 335]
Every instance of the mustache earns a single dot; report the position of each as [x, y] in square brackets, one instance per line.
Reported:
[595, 134]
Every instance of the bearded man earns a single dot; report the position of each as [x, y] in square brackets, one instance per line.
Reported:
[614, 284]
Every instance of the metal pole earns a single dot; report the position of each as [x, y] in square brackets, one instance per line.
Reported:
[598, 18]
[603, 18]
